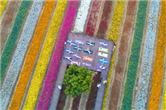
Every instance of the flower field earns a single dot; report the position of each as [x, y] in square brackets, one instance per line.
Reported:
[134, 57]
[105, 17]
[32, 55]
[44, 57]
[8, 21]
[158, 69]
[20, 52]
[56, 57]
[2, 6]
[113, 35]
[12, 40]
[33, 34]
[147, 56]
[123, 52]
[93, 17]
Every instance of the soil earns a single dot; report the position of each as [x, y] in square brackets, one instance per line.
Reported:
[93, 93]
[62, 99]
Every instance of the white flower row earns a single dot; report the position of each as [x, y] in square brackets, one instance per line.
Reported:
[148, 52]
[82, 16]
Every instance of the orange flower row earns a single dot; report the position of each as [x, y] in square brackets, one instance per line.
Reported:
[158, 71]
[32, 55]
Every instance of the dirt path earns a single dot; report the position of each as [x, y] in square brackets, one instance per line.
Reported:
[82, 104]
[68, 103]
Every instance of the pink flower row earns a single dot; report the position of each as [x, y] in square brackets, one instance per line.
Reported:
[51, 75]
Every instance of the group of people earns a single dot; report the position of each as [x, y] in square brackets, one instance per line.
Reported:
[101, 81]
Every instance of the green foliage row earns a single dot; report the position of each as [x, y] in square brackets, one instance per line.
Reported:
[134, 58]
[77, 80]
[14, 35]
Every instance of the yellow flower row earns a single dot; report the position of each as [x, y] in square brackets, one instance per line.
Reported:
[32, 54]
[113, 35]
[158, 70]
[44, 56]
[2, 6]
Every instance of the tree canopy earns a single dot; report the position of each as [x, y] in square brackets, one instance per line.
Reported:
[77, 80]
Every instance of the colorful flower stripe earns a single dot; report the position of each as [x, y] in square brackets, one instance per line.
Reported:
[3, 4]
[105, 18]
[32, 55]
[164, 96]
[134, 57]
[158, 68]
[19, 54]
[123, 52]
[147, 60]
[7, 21]
[82, 16]
[44, 57]
[11, 43]
[51, 75]
[93, 17]
[113, 35]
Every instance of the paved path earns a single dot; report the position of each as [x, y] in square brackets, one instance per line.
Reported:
[64, 63]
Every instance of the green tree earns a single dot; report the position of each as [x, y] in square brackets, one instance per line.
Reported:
[77, 80]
